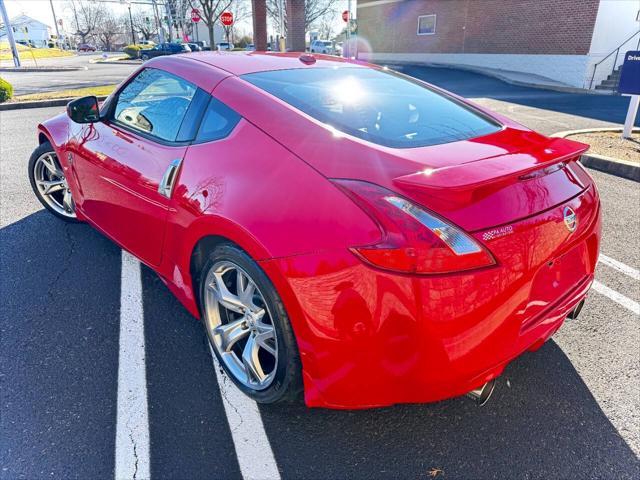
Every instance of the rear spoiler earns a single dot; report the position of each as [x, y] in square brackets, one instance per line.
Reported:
[496, 170]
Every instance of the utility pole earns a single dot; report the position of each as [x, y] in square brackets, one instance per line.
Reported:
[133, 34]
[158, 21]
[12, 41]
[55, 21]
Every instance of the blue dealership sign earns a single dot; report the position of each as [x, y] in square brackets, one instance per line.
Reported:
[630, 75]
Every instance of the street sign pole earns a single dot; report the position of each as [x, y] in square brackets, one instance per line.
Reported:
[634, 102]
[349, 27]
[12, 41]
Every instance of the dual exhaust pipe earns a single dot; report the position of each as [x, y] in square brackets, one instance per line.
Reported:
[482, 394]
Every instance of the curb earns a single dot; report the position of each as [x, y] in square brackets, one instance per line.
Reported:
[56, 102]
[42, 69]
[119, 62]
[613, 166]
[504, 78]
[114, 60]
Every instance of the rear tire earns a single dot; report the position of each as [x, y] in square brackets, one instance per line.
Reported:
[258, 351]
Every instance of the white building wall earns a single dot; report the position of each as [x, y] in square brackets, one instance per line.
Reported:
[617, 20]
[37, 33]
[201, 32]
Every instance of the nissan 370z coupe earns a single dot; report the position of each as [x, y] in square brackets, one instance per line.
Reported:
[340, 228]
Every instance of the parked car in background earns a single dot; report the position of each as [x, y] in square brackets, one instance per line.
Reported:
[85, 47]
[194, 47]
[250, 47]
[322, 46]
[147, 44]
[224, 46]
[164, 49]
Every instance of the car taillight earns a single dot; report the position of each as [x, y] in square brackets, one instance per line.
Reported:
[414, 240]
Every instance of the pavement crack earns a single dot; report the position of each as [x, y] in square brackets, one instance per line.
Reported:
[66, 264]
[135, 456]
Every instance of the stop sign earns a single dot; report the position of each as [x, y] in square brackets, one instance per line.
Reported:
[345, 15]
[195, 15]
[227, 19]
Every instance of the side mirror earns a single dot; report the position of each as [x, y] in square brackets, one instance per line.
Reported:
[84, 110]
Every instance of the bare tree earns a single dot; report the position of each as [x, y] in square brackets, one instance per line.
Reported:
[241, 10]
[325, 28]
[109, 28]
[210, 11]
[314, 10]
[144, 24]
[86, 17]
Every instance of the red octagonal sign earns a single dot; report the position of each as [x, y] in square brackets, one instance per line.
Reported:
[345, 15]
[195, 15]
[227, 19]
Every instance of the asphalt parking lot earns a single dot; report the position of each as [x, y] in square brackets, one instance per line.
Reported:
[571, 409]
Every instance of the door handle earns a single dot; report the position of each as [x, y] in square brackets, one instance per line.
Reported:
[169, 178]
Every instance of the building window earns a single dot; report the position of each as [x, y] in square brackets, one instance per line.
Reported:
[426, 25]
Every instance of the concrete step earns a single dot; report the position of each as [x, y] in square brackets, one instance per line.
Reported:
[610, 83]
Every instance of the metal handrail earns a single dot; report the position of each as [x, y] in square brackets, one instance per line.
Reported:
[615, 61]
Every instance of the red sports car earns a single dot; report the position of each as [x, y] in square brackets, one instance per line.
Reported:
[339, 227]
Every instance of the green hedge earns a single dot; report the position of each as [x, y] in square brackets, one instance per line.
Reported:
[133, 51]
[6, 90]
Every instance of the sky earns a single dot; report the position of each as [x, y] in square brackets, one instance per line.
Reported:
[41, 10]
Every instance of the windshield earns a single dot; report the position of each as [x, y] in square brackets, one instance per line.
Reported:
[381, 107]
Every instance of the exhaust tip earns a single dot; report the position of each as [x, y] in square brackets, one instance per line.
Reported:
[481, 395]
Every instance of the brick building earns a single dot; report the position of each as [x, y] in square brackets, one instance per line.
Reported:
[559, 39]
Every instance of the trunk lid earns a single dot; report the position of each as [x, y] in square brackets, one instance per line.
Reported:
[500, 189]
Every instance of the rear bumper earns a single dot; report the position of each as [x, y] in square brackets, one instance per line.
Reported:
[369, 338]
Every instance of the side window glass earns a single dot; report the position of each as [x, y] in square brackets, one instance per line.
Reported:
[155, 102]
[218, 122]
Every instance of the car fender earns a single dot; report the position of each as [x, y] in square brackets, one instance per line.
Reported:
[180, 245]
[55, 131]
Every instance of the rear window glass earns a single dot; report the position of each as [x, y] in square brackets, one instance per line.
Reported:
[381, 107]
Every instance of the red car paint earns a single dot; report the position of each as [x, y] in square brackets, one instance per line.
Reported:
[367, 337]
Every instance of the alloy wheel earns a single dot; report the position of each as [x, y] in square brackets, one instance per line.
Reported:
[52, 185]
[240, 326]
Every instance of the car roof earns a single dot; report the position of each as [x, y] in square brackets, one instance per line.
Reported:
[240, 63]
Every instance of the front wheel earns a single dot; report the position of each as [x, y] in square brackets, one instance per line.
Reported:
[50, 184]
[248, 327]
[144, 57]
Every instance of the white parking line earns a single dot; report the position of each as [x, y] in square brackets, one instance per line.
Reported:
[253, 449]
[617, 297]
[621, 267]
[132, 427]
